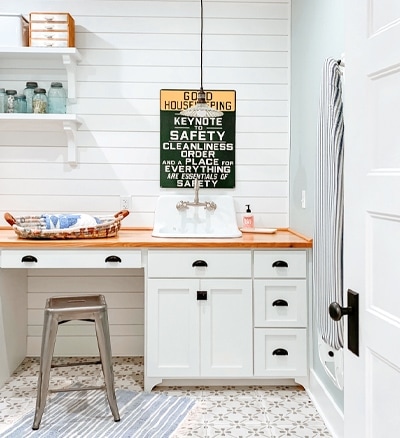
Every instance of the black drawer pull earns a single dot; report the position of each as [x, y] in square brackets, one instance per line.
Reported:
[280, 264]
[280, 303]
[199, 263]
[29, 258]
[201, 295]
[113, 258]
[280, 352]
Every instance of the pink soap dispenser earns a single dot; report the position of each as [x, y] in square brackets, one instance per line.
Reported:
[248, 218]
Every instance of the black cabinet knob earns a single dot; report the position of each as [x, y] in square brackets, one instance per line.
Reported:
[280, 352]
[29, 259]
[113, 258]
[201, 295]
[280, 303]
[199, 263]
[280, 264]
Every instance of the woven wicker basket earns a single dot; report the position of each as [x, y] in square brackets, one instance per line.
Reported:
[31, 227]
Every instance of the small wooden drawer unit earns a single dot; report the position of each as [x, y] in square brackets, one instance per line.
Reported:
[51, 29]
[280, 313]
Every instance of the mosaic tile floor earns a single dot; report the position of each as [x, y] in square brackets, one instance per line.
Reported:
[251, 411]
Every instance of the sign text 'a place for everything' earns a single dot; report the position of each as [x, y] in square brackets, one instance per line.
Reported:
[197, 147]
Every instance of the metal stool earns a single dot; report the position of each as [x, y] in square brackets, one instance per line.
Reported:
[58, 310]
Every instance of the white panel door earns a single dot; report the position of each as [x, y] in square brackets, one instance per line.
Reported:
[372, 215]
[226, 328]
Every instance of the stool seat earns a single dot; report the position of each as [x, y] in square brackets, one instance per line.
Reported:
[58, 310]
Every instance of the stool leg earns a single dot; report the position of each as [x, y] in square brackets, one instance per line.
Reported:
[104, 343]
[50, 327]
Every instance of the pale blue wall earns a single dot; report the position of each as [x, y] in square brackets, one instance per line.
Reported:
[317, 33]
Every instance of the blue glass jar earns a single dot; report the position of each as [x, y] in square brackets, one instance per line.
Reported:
[20, 103]
[3, 100]
[39, 102]
[57, 98]
[29, 93]
[11, 100]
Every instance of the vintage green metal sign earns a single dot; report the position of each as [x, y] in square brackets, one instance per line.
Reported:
[197, 147]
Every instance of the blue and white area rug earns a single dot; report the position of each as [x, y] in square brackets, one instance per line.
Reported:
[87, 414]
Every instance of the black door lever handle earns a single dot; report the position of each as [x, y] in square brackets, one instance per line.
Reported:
[336, 312]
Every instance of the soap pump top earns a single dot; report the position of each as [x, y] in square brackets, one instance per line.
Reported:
[248, 218]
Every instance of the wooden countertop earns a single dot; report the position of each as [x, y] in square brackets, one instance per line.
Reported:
[142, 238]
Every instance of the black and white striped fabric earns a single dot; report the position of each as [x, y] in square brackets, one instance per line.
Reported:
[328, 233]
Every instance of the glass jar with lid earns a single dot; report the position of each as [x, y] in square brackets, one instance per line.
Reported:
[57, 99]
[11, 100]
[29, 93]
[20, 103]
[3, 100]
[39, 102]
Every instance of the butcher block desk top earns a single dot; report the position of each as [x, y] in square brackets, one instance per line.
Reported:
[142, 238]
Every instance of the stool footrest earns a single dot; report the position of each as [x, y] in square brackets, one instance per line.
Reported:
[75, 364]
[84, 388]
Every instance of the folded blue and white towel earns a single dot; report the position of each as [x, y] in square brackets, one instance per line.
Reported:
[63, 221]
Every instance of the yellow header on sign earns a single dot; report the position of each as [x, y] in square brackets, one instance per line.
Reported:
[178, 100]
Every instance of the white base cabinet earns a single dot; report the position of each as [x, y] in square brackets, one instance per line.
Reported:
[199, 325]
[191, 337]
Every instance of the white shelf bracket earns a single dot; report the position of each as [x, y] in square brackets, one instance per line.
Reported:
[70, 66]
[70, 132]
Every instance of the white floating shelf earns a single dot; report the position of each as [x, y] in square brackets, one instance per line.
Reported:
[69, 123]
[68, 56]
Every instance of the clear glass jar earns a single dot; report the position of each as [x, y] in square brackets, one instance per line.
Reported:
[57, 98]
[3, 100]
[20, 103]
[39, 102]
[29, 93]
[11, 100]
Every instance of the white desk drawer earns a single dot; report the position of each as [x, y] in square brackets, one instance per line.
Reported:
[280, 352]
[70, 258]
[210, 264]
[280, 264]
[280, 303]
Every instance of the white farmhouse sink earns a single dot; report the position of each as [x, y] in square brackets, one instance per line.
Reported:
[195, 221]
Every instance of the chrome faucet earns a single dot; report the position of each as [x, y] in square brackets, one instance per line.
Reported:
[184, 205]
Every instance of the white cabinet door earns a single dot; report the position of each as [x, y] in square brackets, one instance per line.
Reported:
[172, 328]
[191, 337]
[226, 328]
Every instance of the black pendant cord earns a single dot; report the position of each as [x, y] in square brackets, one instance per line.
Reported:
[201, 44]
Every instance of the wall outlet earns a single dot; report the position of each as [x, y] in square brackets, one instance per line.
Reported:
[303, 199]
[125, 203]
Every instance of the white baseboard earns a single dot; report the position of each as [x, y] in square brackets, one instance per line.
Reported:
[326, 406]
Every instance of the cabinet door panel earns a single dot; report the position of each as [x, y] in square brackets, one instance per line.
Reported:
[226, 328]
[172, 328]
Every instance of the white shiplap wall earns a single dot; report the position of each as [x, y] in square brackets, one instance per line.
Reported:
[130, 50]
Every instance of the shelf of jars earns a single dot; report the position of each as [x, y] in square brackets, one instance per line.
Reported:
[69, 123]
[69, 57]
